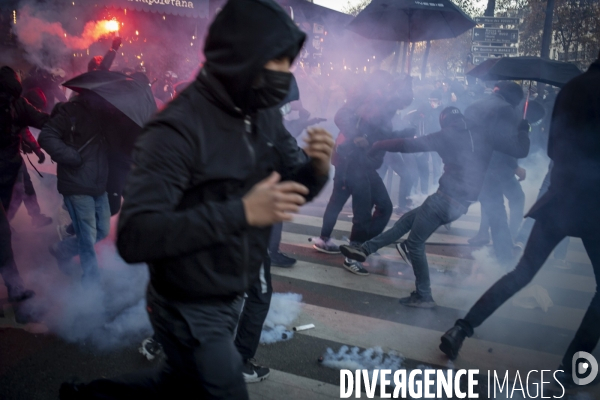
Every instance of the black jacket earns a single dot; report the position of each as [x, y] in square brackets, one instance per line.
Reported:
[571, 202]
[15, 114]
[183, 211]
[466, 152]
[74, 138]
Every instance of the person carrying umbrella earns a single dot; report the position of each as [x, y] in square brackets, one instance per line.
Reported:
[74, 139]
[569, 208]
[201, 199]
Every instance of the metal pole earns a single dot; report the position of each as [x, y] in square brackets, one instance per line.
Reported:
[425, 57]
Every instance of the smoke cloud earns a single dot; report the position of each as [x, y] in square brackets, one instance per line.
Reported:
[284, 309]
[108, 315]
[46, 43]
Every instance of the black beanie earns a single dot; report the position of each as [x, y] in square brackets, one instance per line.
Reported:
[451, 116]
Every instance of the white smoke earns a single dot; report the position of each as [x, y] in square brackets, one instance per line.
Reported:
[284, 309]
[107, 315]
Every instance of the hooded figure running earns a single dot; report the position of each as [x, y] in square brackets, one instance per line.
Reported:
[466, 154]
[202, 196]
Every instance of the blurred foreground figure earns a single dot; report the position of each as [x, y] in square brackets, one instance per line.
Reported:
[201, 199]
[569, 208]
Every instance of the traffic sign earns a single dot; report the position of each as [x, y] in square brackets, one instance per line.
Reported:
[479, 59]
[494, 50]
[494, 35]
[497, 20]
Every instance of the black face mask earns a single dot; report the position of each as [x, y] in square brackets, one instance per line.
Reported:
[270, 88]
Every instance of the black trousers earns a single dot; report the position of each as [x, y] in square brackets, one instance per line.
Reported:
[492, 204]
[544, 238]
[254, 312]
[23, 192]
[368, 191]
[404, 165]
[8, 267]
[202, 360]
[275, 239]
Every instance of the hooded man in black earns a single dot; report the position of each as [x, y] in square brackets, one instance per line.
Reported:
[466, 153]
[15, 114]
[201, 199]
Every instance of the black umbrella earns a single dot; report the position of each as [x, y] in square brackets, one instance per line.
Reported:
[537, 69]
[133, 98]
[411, 20]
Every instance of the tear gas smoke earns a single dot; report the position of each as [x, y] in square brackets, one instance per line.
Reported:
[107, 315]
[284, 309]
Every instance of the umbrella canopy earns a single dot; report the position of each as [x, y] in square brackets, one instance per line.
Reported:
[537, 69]
[131, 97]
[411, 20]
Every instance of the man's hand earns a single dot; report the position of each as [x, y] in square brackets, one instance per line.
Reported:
[116, 43]
[521, 173]
[524, 126]
[319, 147]
[41, 156]
[271, 201]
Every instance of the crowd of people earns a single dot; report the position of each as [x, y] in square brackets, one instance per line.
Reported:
[222, 165]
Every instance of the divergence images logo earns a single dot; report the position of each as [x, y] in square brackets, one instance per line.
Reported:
[582, 368]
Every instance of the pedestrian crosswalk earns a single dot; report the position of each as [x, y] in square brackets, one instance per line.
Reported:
[364, 311]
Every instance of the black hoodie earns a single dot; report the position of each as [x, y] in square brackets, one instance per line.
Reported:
[183, 211]
[466, 150]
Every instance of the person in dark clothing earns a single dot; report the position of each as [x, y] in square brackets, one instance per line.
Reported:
[362, 122]
[74, 138]
[466, 152]
[568, 208]
[202, 197]
[15, 114]
[500, 104]
[23, 191]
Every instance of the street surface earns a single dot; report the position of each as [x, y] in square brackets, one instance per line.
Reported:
[346, 309]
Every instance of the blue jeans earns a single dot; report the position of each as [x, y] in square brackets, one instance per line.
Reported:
[91, 220]
[437, 210]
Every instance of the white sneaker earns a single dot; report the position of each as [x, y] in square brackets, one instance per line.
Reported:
[150, 349]
[325, 246]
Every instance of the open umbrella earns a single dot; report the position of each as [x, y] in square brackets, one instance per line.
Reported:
[133, 98]
[411, 20]
[537, 69]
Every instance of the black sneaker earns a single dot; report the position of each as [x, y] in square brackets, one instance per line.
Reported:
[355, 253]
[403, 251]
[253, 372]
[150, 348]
[452, 341]
[416, 300]
[355, 267]
[281, 260]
